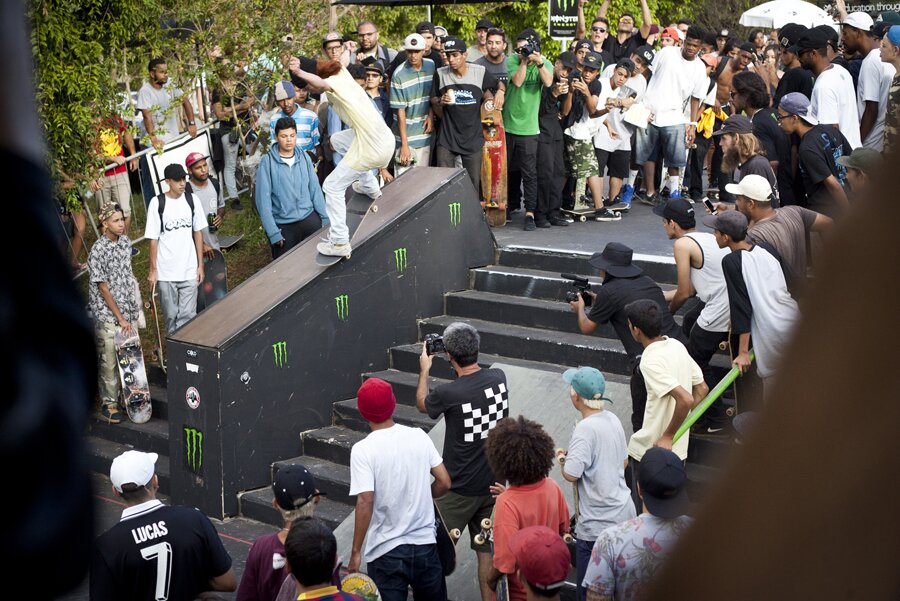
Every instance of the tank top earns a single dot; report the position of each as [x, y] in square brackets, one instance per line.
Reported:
[709, 282]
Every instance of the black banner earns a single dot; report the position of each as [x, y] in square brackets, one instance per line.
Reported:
[562, 18]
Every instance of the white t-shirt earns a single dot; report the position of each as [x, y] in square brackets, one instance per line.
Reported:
[665, 364]
[675, 81]
[165, 126]
[176, 255]
[875, 79]
[615, 117]
[833, 101]
[396, 464]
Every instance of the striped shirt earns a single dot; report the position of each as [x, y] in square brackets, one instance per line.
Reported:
[307, 127]
[411, 90]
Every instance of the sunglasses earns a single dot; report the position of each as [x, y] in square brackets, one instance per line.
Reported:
[779, 117]
[600, 29]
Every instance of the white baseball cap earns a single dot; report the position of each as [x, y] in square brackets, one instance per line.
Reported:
[414, 41]
[132, 467]
[754, 187]
[859, 20]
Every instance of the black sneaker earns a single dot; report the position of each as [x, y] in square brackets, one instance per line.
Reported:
[605, 214]
[561, 221]
[541, 223]
[529, 223]
[650, 199]
[236, 205]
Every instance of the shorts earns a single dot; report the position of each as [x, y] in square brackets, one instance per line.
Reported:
[668, 139]
[116, 189]
[459, 511]
[580, 158]
[616, 162]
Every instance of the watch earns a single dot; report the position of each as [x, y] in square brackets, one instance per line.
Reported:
[191, 123]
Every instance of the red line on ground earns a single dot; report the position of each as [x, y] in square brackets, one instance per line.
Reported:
[240, 540]
[113, 501]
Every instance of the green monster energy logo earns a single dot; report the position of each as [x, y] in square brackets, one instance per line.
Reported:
[563, 5]
[342, 303]
[400, 259]
[279, 349]
[455, 210]
[193, 448]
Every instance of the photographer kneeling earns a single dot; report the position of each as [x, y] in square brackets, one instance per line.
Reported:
[471, 405]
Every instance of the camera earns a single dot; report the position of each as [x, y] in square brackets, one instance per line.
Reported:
[434, 343]
[581, 287]
[528, 49]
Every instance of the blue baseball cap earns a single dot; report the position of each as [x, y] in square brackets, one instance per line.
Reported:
[797, 103]
[589, 383]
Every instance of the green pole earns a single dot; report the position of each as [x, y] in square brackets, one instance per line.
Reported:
[710, 398]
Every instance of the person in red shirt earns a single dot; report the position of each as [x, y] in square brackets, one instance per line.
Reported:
[115, 187]
[522, 453]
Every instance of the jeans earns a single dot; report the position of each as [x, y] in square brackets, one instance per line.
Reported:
[179, 302]
[669, 138]
[470, 162]
[583, 550]
[416, 566]
[521, 164]
[147, 187]
[336, 185]
[230, 153]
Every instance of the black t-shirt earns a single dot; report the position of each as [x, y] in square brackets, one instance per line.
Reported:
[778, 148]
[820, 149]
[619, 50]
[309, 65]
[460, 130]
[758, 165]
[609, 306]
[472, 405]
[578, 100]
[794, 80]
[159, 552]
[548, 115]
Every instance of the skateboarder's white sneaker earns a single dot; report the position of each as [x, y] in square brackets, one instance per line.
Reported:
[357, 187]
[331, 249]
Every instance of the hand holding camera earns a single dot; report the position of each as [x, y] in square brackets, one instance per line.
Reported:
[434, 343]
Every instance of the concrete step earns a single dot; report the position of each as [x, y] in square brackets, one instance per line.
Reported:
[406, 358]
[661, 269]
[103, 451]
[346, 414]
[257, 505]
[152, 436]
[404, 383]
[331, 478]
[331, 443]
[523, 282]
[160, 399]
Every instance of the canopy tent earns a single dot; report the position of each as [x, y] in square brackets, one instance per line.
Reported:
[777, 13]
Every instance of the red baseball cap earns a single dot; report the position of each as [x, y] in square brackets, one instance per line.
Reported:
[193, 158]
[542, 557]
[670, 32]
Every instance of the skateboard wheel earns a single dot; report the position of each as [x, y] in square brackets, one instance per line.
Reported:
[374, 208]
[730, 411]
[723, 345]
[582, 218]
[455, 534]
[479, 539]
[486, 523]
[568, 538]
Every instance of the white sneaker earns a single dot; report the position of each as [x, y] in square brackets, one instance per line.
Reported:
[331, 249]
[359, 190]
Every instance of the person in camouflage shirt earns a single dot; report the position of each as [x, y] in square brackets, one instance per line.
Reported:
[113, 301]
[890, 53]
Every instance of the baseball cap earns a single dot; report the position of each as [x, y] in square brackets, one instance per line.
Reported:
[890, 16]
[654, 28]
[747, 47]
[589, 383]
[679, 210]
[425, 26]
[796, 103]
[568, 59]
[789, 35]
[670, 32]
[813, 39]
[483, 24]
[710, 59]
[294, 486]
[754, 187]
[880, 29]
[332, 36]
[529, 34]
[375, 400]
[735, 124]
[730, 223]
[583, 44]
[858, 20]
[646, 53]
[440, 31]
[893, 35]
[174, 171]
[542, 556]
[724, 33]
[863, 159]
[414, 41]
[454, 44]
[662, 479]
[592, 60]
[193, 158]
[133, 467]
[107, 210]
[284, 90]
[376, 66]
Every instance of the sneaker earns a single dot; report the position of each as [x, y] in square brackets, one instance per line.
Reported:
[620, 207]
[529, 223]
[627, 194]
[357, 187]
[560, 221]
[330, 249]
[111, 414]
[664, 192]
[541, 223]
[674, 194]
[236, 205]
[135, 251]
[606, 215]
[650, 199]
[568, 218]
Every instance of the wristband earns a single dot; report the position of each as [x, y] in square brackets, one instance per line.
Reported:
[693, 124]
[191, 123]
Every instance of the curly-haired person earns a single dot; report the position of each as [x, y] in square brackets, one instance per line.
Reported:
[522, 453]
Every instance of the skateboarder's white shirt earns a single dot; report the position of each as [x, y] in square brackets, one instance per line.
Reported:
[395, 463]
[176, 259]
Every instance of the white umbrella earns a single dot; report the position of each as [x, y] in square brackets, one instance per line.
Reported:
[777, 13]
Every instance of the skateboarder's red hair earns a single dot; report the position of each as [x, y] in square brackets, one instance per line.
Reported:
[326, 69]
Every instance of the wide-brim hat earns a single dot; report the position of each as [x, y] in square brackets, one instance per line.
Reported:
[616, 261]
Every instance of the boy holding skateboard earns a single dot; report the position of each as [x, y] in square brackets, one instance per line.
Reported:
[112, 300]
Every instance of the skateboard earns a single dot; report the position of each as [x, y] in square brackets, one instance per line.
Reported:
[493, 165]
[159, 348]
[576, 515]
[215, 281]
[133, 375]
[446, 542]
[361, 585]
[358, 208]
[226, 242]
[581, 212]
[487, 536]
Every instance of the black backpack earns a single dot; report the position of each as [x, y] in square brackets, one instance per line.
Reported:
[212, 180]
[161, 199]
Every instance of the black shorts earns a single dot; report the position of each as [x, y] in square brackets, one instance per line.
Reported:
[616, 162]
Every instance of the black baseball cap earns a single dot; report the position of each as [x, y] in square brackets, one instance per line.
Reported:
[484, 24]
[646, 53]
[568, 60]
[583, 43]
[814, 39]
[592, 60]
[789, 35]
[679, 210]
[424, 26]
[529, 34]
[735, 124]
[663, 480]
[294, 486]
[174, 171]
[454, 44]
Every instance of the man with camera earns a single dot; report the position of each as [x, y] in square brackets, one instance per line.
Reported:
[471, 405]
[529, 74]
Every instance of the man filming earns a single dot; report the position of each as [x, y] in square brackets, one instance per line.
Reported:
[471, 405]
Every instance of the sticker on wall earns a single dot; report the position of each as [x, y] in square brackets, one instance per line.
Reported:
[245, 378]
[192, 367]
[191, 352]
[400, 259]
[192, 396]
[193, 449]
[455, 212]
[279, 351]
[342, 303]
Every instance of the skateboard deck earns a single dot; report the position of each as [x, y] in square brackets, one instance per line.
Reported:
[358, 208]
[159, 348]
[446, 542]
[215, 281]
[226, 242]
[133, 375]
[487, 536]
[493, 165]
[580, 214]
[357, 583]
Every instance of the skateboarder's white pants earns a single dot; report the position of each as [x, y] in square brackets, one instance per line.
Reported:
[336, 185]
[107, 375]
[179, 302]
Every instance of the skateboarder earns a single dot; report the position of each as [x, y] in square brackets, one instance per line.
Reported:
[112, 300]
[367, 145]
[390, 476]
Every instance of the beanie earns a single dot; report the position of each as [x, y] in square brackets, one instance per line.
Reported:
[376, 400]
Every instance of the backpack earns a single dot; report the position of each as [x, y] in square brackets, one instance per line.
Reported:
[212, 180]
[161, 200]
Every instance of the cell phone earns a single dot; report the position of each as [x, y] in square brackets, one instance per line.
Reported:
[709, 205]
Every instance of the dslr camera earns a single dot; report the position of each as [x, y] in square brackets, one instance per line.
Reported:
[434, 343]
[529, 48]
[580, 286]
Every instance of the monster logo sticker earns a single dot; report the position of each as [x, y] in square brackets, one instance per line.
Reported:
[400, 259]
[279, 349]
[193, 449]
[342, 303]
[455, 210]
[192, 396]
[565, 5]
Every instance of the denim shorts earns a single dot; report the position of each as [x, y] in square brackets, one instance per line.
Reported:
[670, 139]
